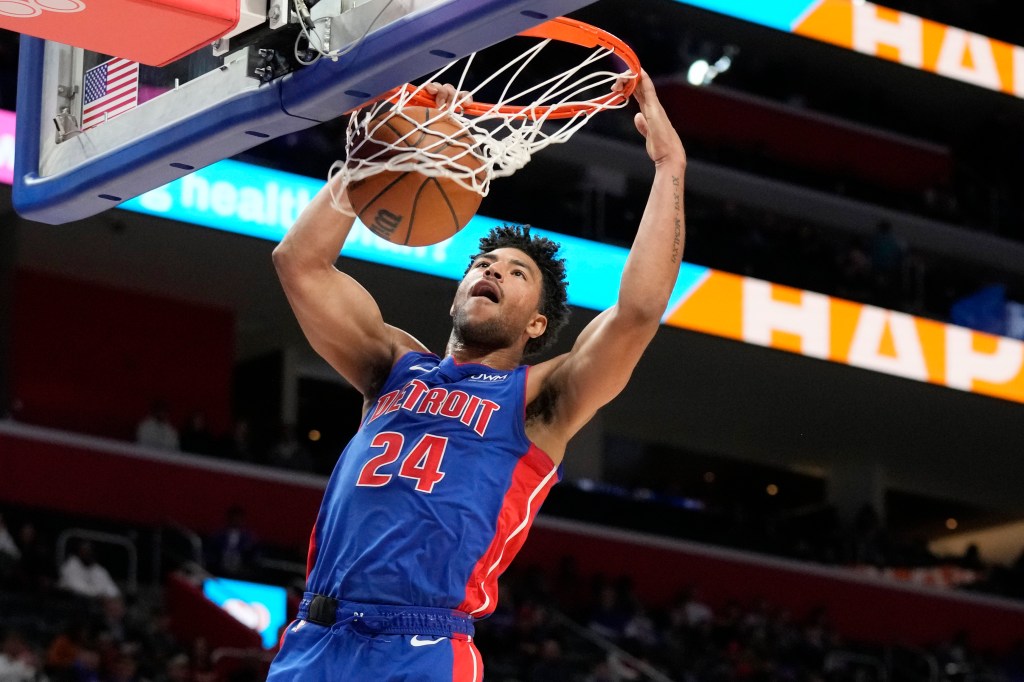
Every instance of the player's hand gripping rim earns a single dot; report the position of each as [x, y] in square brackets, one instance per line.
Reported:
[663, 143]
[447, 97]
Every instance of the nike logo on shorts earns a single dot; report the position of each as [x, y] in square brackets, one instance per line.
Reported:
[416, 641]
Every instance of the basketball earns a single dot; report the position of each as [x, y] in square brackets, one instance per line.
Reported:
[407, 207]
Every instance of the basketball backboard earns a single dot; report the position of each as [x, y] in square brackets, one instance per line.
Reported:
[184, 25]
[218, 102]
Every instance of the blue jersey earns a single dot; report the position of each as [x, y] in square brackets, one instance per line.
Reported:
[435, 493]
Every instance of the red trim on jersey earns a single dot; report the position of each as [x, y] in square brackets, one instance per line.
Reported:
[311, 555]
[532, 479]
[284, 633]
[467, 666]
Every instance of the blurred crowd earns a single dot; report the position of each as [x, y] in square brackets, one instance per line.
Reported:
[739, 518]
[550, 626]
[690, 640]
[69, 620]
[558, 626]
[158, 430]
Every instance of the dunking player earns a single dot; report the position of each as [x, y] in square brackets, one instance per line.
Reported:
[434, 495]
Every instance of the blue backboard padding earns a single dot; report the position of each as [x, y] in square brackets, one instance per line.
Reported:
[396, 53]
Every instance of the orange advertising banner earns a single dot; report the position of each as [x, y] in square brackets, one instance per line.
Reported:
[819, 326]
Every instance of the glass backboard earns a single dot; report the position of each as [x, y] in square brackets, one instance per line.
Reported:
[72, 162]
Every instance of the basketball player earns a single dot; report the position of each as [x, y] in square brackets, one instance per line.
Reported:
[434, 495]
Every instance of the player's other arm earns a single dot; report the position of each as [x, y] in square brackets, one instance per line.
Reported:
[338, 316]
[606, 352]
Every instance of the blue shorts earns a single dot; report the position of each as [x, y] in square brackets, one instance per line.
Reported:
[377, 643]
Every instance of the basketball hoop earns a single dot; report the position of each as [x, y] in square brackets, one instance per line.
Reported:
[502, 136]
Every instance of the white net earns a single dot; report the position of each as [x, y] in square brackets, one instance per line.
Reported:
[473, 143]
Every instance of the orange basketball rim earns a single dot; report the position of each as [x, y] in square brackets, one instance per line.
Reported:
[561, 29]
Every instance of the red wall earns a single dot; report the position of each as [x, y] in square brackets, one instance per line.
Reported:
[91, 359]
[812, 142]
[150, 490]
[84, 477]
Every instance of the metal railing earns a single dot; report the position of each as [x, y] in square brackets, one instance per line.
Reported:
[844, 660]
[124, 542]
[610, 648]
[911, 664]
[190, 539]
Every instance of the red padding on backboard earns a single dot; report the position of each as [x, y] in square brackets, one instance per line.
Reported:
[153, 32]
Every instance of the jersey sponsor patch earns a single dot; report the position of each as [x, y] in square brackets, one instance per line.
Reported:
[488, 378]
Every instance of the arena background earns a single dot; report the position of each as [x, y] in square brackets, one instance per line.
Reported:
[822, 512]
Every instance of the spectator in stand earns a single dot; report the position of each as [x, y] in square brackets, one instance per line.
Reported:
[157, 641]
[887, 255]
[116, 620]
[71, 655]
[156, 430]
[689, 611]
[550, 665]
[81, 574]
[196, 436]
[288, 452]
[855, 280]
[202, 662]
[178, 669]
[125, 668]
[10, 555]
[35, 571]
[570, 589]
[609, 616]
[868, 541]
[18, 662]
[239, 445]
[234, 548]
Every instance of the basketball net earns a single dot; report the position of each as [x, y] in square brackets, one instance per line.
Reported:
[503, 136]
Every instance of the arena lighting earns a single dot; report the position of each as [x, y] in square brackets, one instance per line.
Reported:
[701, 72]
[698, 72]
[876, 31]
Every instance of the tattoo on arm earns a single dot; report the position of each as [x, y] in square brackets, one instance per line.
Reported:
[677, 204]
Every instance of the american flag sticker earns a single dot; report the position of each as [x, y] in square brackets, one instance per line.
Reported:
[111, 88]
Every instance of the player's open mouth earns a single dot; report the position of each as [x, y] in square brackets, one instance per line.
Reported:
[487, 289]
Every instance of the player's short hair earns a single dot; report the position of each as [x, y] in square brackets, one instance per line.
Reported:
[544, 252]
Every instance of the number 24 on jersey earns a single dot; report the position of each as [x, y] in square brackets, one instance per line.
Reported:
[422, 463]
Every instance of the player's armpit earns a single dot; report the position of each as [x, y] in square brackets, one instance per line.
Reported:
[596, 369]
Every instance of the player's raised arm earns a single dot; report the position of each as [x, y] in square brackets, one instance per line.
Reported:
[653, 262]
[338, 316]
[607, 351]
